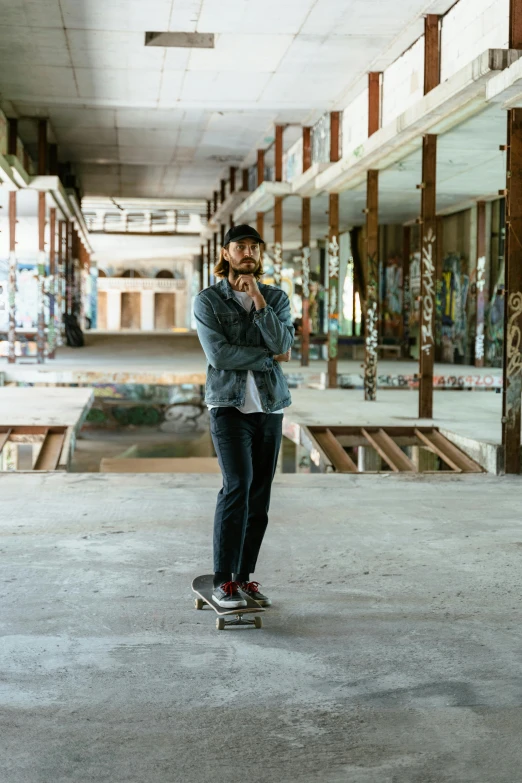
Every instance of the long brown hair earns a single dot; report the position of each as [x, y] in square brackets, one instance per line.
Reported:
[222, 267]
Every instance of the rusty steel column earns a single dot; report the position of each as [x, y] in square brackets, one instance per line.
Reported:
[60, 286]
[260, 167]
[482, 288]
[232, 179]
[278, 240]
[333, 288]
[374, 102]
[305, 274]
[512, 365]
[428, 275]
[11, 291]
[371, 321]
[51, 339]
[335, 136]
[214, 257]
[260, 223]
[305, 253]
[431, 52]
[406, 253]
[40, 334]
[208, 263]
[244, 180]
[222, 190]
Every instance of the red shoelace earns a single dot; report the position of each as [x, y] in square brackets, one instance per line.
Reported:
[252, 587]
[230, 587]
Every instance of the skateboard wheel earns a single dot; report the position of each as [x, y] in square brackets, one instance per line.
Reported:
[220, 623]
[199, 603]
[258, 622]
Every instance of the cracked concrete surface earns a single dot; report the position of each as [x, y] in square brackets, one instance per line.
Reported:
[392, 653]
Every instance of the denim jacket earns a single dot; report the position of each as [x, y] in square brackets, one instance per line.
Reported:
[235, 341]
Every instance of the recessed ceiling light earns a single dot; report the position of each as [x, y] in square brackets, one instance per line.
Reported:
[181, 40]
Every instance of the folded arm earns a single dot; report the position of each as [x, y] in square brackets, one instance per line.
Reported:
[275, 324]
[221, 354]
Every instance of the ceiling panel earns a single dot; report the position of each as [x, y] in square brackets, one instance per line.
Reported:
[119, 85]
[111, 49]
[251, 52]
[259, 16]
[116, 14]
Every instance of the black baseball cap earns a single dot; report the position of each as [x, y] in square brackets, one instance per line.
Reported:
[237, 233]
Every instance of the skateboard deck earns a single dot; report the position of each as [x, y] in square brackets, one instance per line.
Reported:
[203, 587]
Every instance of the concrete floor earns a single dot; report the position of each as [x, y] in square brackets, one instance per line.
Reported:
[392, 653]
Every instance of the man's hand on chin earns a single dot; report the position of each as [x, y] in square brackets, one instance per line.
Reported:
[248, 284]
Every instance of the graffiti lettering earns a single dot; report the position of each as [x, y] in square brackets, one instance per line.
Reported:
[428, 298]
[278, 263]
[372, 339]
[305, 271]
[514, 359]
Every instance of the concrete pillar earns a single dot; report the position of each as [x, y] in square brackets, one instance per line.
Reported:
[114, 310]
[147, 310]
[180, 309]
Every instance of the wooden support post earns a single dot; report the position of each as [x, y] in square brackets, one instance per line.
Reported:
[51, 339]
[11, 293]
[482, 287]
[260, 223]
[406, 253]
[244, 179]
[374, 102]
[428, 275]
[222, 232]
[279, 130]
[260, 167]
[40, 334]
[371, 321]
[209, 210]
[305, 276]
[232, 179]
[278, 240]
[215, 202]
[431, 52]
[333, 289]
[222, 190]
[335, 136]
[512, 365]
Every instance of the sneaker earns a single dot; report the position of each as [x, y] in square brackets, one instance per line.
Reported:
[227, 596]
[252, 590]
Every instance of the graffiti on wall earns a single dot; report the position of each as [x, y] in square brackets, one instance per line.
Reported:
[393, 298]
[333, 309]
[495, 324]
[454, 322]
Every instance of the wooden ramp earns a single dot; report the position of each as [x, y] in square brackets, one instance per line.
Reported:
[395, 449]
[48, 446]
[153, 465]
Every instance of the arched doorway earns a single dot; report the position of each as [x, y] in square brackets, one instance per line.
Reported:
[164, 273]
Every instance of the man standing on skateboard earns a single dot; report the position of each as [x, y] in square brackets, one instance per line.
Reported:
[245, 329]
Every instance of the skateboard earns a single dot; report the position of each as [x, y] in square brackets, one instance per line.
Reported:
[203, 586]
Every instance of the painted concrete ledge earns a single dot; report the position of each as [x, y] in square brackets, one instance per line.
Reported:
[48, 407]
[451, 103]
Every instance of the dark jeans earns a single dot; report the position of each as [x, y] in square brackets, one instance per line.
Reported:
[247, 446]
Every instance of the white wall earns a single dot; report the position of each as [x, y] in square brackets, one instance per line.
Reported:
[471, 27]
[355, 124]
[403, 82]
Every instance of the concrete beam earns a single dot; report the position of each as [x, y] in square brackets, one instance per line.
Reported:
[444, 107]
[261, 200]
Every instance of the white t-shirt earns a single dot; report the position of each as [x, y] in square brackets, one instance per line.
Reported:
[252, 399]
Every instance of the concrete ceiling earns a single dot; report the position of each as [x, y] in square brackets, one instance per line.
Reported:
[153, 122]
